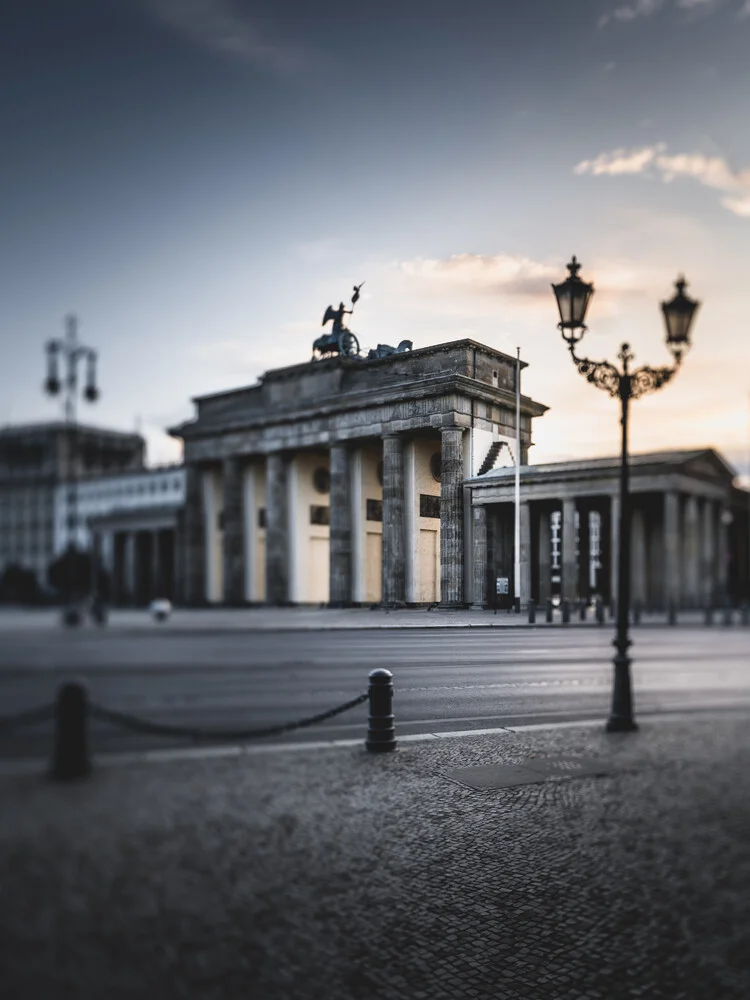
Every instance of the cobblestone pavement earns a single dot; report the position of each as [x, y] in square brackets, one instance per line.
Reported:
[341, 875]
[264, 619]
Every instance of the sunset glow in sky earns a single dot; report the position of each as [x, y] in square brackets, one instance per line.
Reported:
[199, 179]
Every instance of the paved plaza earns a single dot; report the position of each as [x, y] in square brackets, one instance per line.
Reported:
[338, 875]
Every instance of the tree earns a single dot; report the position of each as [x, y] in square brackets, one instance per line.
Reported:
[72, 575]
[19, 585]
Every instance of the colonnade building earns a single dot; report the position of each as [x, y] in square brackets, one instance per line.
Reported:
[351, 481]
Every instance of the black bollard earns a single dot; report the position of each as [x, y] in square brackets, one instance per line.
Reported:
[565, 612]
[727, 614]
[599, 611]
[672, 613]
[532, 612]
[381, 733]
[550, 611]
[71, 760]
[745, 614]
[709, 615]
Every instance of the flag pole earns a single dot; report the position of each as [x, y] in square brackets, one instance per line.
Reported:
[517, 526]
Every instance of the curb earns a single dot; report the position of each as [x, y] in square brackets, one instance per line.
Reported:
[33, 766]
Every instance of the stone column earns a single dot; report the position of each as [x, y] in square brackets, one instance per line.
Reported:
[234, 531]
[451, 518]
[394, 570]
[584, 552]
[672, 588]
[411, 524]
[341, 527]
[691, 553]
[357, 527]
[722, 552]
[191, 560]
[708, 553]
[129, 567]
[615, 507]
[479, 556]
[156, 584]
[249, 534]
[545, 557]
[638, 555]
[525, 551]
[277, 555]
[569, 562]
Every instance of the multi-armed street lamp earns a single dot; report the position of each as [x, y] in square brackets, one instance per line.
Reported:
[71, 351]
[573, 296]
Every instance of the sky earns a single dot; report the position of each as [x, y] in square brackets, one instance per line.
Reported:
[198, 179]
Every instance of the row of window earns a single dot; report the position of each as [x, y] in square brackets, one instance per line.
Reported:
[429, 506]
[131, 489]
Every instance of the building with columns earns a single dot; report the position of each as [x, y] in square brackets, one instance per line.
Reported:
[351, 481]
[689, 529]
[129, 520]
[345, 481]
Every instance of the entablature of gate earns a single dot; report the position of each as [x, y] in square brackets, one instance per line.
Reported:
[655, 473]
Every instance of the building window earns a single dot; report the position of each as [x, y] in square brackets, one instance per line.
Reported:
[322, 480]
[436, 466]
[429, 506]
[374, 510]
[261, 517]
[320, 515]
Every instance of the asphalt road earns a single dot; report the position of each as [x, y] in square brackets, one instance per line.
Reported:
[446, 679]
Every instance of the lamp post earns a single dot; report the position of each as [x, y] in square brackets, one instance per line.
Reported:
[70, 351]
[573, 297]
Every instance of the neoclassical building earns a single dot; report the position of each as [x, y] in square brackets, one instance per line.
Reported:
[345, 480]
[351, 481]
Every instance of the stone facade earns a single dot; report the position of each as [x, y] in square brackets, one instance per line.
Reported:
[366, 482]
[688, 529]
[392, 440]
[38, 463]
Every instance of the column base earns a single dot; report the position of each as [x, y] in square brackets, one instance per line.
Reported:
[477, 607]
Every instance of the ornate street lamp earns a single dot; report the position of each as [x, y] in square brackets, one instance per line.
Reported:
[71, 351]
[573, 297]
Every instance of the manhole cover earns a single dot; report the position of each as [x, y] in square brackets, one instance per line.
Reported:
[483, 777]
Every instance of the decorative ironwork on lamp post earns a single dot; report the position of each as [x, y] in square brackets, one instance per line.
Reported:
[573, 297]
[70, 351]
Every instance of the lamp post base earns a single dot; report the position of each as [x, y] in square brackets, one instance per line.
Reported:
[621, 724]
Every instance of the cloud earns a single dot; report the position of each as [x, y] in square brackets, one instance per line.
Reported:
[620, 161]
[744, 10]
[221, 27]
[502, 273]
[475, 286]
[631, 11]
[646, 8]
[710, 171]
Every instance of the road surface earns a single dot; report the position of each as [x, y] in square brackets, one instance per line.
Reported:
[446, 679]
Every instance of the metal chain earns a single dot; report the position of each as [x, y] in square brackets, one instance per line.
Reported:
[163, 729]
[27, 718]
